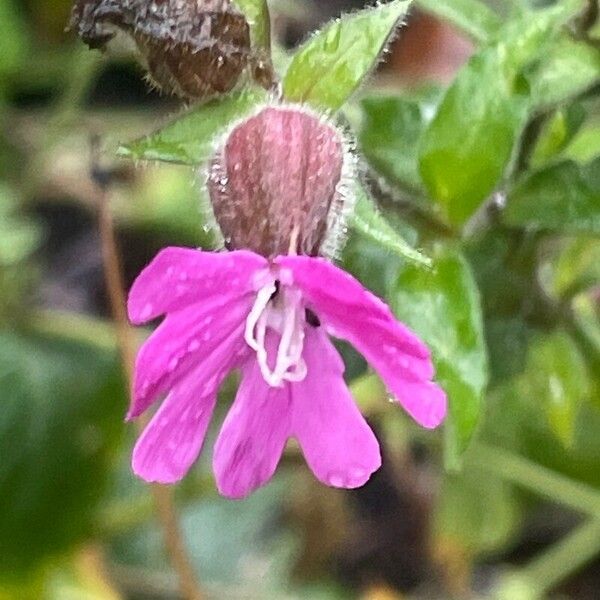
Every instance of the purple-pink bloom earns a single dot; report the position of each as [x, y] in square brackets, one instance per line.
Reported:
[271, 319]
[269, 310]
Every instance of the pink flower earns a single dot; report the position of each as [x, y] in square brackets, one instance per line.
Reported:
[270, 314]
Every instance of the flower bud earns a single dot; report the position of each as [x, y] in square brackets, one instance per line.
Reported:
[197, 49]
[277, 184]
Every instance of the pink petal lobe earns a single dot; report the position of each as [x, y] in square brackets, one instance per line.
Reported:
[182, 341]
[178, 277]
[254, 433]
[351, 312]
[424, 401]
[172, 441]
[337, 443]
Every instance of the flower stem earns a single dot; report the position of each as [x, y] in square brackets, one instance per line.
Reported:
[564, 557]
[568, 554]
[537, 478]
[163, 498]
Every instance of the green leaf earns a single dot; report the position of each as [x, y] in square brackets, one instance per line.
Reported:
[567, 69]
[62, 407]
[190, 138]
[443, 307]
[390, 134]
[471, 16]
[576, 268]
[475, 515]
[585, 329]
[18, 237]
[368, 221]
[530, 37]
[556, 379]
[563, 197]
[556, 134]
[585, 146]
[13, 39]
[334, 62]
[257, 13]
[468, 145]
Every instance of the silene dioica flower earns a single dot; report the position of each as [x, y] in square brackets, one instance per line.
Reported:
[280, 186]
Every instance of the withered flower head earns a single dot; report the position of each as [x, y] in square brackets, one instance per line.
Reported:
[197, 49]
[278, 183]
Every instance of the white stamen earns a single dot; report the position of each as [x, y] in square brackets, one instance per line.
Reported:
[285, 315]
[261, 351]
[261, 302]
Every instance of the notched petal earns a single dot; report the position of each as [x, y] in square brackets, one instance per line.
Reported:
[338, 444]
[179, 277]
[182, 341]
[351, 312]
[254, 433]
[173, 439]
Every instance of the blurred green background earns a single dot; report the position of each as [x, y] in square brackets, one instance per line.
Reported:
[491, 167]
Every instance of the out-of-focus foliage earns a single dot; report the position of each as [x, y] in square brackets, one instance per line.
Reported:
[391, 133]
[13, 40]
[468, 146]
[66, 401]
[442, 306]
[562, 197]
[19, 238]
[477, 218]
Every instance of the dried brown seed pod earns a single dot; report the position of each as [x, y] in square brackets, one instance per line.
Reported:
[197, 49]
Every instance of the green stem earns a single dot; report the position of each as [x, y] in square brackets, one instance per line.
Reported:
[536, 478]
[78, 328]
[75, 327]
[565, 557]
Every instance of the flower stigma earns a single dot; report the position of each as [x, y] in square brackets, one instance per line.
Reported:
[278, 308]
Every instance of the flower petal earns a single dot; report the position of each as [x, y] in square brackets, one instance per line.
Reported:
[172, 440]
[424, 401]
[337, 443]
[184, 339]
[353, 313]
[254, 433]
[178, 277]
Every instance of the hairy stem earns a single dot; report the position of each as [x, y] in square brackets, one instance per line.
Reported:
[163, 498]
